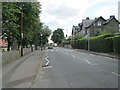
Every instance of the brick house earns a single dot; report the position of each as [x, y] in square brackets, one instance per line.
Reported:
[95, 27]
[3, 45]
[111, 25]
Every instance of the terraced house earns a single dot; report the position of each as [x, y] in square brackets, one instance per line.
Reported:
[97, 26]
[111, 25]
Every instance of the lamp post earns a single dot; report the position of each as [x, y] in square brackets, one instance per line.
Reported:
[73, 42]
[41, 41]
[88, 38]
[21, 34]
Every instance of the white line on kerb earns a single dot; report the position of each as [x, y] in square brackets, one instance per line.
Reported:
[115, 73]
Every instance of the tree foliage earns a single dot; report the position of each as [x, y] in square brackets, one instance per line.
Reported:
[26, 15]
[58, 35]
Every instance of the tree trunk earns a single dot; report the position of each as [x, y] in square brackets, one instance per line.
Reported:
[31, 48]
[8, 49]
[35, 47]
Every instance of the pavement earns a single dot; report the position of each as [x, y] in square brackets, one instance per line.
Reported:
[22, 72]
[73, 69]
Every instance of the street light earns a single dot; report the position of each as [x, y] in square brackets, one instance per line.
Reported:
[73, 41]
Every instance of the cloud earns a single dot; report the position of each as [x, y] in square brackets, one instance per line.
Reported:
[63, 12]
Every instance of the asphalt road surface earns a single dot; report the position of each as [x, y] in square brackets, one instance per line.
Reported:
[72, 69]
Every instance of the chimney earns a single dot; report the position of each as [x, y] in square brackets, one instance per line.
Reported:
[112, 16]
[87, 18]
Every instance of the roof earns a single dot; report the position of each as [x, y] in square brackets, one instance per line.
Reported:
[87, 22]
[95, 20]
[3, 43]
[110, 20]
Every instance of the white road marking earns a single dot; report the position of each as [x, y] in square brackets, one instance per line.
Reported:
[108, 58]
[48, 67]
[92, 55]
[112, 58]
[73, 56]
[47, 61]
[67, 53]
[89, 62]
[115, 73]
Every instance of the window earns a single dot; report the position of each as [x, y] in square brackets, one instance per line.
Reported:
[99, 23]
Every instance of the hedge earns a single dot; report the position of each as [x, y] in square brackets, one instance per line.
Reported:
[116, 44]
[82, 43]
[101, 43]
[104, 43]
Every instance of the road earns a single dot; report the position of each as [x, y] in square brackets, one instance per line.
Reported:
[72, 69]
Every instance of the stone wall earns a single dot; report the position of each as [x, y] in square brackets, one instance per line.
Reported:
[13, 54]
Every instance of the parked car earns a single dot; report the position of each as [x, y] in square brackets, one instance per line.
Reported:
[50, 47]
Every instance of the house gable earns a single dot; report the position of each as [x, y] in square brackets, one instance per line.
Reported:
[111, 25]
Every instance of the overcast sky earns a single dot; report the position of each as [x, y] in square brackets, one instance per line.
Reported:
[66, 13]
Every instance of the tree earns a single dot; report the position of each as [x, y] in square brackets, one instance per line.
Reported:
[9, 18]
[58, 35]
[46, 32]
[13, 13]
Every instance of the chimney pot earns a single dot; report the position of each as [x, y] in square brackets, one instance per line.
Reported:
[87, 18]
[112, 16]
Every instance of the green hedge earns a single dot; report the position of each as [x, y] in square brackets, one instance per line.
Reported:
[82, 43]
[101, 43]
[116, 44]
[104, 43]
[79, 44]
